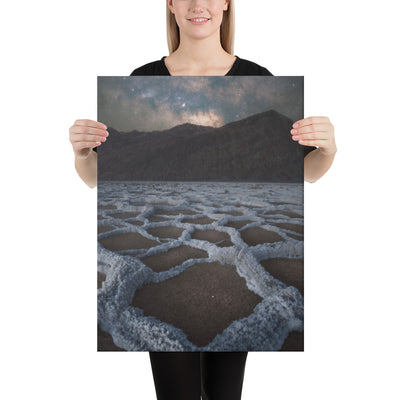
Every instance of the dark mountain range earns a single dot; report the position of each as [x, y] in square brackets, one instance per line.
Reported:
[258, 148]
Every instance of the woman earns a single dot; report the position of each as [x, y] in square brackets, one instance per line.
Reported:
[200, 37]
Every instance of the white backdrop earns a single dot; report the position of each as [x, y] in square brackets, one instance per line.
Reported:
[52, 53]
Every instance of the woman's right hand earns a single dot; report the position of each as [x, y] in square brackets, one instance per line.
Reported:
[85, 134]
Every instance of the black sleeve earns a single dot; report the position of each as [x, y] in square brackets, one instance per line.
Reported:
[145, 70]
[153, 68]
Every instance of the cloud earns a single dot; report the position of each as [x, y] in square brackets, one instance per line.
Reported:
[207, 118]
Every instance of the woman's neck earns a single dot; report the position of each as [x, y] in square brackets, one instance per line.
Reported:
[203, 56]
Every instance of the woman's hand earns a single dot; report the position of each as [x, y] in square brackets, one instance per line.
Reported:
[85, 134]
[315, 131]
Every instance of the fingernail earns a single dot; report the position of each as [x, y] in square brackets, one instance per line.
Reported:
[295, 125]
[295, 137]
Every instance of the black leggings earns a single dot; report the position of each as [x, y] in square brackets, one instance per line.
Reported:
[187, 375]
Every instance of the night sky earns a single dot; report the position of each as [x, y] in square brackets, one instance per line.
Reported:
[147, 103]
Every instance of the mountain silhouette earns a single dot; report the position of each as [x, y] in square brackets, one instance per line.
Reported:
[258, 148]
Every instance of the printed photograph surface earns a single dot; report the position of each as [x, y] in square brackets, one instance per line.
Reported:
[200, 214]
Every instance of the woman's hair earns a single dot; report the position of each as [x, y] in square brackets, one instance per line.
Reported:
[227, 30]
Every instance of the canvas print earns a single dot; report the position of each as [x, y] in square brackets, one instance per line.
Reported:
[200, 214]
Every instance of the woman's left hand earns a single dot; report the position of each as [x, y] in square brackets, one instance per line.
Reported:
[315, 131]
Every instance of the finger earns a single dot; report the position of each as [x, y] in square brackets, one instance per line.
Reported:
[89, 122]
[310, 128]
[83, 129]
[308, 136]
[310, 121]
[87, 138]
[313, 142]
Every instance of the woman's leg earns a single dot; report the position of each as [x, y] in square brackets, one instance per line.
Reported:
[176, 375]
[222, 375]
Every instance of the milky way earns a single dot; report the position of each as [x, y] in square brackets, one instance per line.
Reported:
[147, 103]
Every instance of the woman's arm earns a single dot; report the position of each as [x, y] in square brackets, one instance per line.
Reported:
[316, 131]
[316, 164]
[87, 169]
